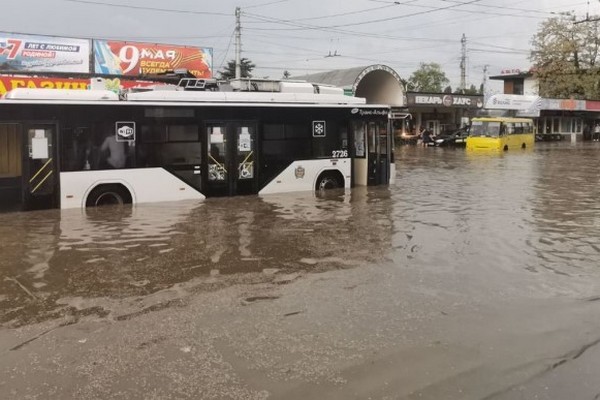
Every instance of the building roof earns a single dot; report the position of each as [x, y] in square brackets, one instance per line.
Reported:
[344, 78]
[512, 76]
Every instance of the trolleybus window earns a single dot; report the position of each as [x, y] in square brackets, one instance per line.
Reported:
[217, 148]
[169, 145]
[245, 152]
[334, 144]
[358, 130]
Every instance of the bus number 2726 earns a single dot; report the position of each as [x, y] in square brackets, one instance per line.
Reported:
[339, 153]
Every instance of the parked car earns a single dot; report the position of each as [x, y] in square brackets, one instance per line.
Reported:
[455, 138]
[548, 137]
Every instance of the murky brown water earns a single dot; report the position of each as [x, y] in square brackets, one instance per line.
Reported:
[472, 268]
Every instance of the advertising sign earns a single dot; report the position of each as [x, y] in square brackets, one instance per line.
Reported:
[8, 83]
[592, 105]
[30, 54]
[513, 102]
[563, 104]
[135, 59]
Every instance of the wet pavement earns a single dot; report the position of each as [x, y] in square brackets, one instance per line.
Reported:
[475, 276]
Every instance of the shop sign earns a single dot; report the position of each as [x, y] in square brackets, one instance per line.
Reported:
[8, 83]
[592, 105]
[135, 59]
[444, 100]
[563, 104]
[32, 54]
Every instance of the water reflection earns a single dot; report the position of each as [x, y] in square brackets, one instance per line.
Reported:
[521, 211]
[507, 218]
[565, 209]
[57, 259]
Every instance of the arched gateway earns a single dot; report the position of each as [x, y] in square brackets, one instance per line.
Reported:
[378, 83]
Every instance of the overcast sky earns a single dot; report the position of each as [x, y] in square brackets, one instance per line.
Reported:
[308, 36]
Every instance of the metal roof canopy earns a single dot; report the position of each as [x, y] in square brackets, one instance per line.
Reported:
[377, 83]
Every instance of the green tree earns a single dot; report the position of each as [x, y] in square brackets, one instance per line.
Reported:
[246, 66]
[472, 90]
[428, 78]
[565, 57]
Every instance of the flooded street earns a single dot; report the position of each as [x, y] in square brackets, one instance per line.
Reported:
[475, 276]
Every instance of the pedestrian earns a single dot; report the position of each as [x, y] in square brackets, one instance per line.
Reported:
[586, 132]
[597, 132]
[426, 137]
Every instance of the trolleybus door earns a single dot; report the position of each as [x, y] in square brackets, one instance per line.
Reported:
[231, 159]
[378, 147]
[40, 177]
[11, 167]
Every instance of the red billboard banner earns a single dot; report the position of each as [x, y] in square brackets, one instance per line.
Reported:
[8, 83]
[139, 59]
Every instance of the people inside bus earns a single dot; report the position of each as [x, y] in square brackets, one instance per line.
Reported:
[502, 131]
[114, 151]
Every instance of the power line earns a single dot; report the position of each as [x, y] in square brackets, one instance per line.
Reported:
[169, 10]
[333, 15]
[499, 51]
[284, 22]
[227, 49]
[267, 4]
[479, 12]
[506, 8]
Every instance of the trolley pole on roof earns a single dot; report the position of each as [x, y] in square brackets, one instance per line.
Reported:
[238, 44]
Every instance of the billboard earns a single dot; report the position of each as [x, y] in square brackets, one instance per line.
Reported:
[32, 54]
[8, 83]
[514, 102]
[138, 59]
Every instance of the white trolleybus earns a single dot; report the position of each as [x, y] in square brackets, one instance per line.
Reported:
[85, 148]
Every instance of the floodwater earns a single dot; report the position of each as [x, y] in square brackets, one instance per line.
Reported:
[475, 276]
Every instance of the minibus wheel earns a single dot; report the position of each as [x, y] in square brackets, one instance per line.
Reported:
[108, 194]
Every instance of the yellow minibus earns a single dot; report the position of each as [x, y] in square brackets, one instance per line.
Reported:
[500, 133]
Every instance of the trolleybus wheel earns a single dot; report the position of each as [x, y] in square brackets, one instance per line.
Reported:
[523, 146]
[110, 194]
[330, 180]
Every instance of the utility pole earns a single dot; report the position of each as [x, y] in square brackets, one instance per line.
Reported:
[463, 62]
[238, 44]
[484, 84]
